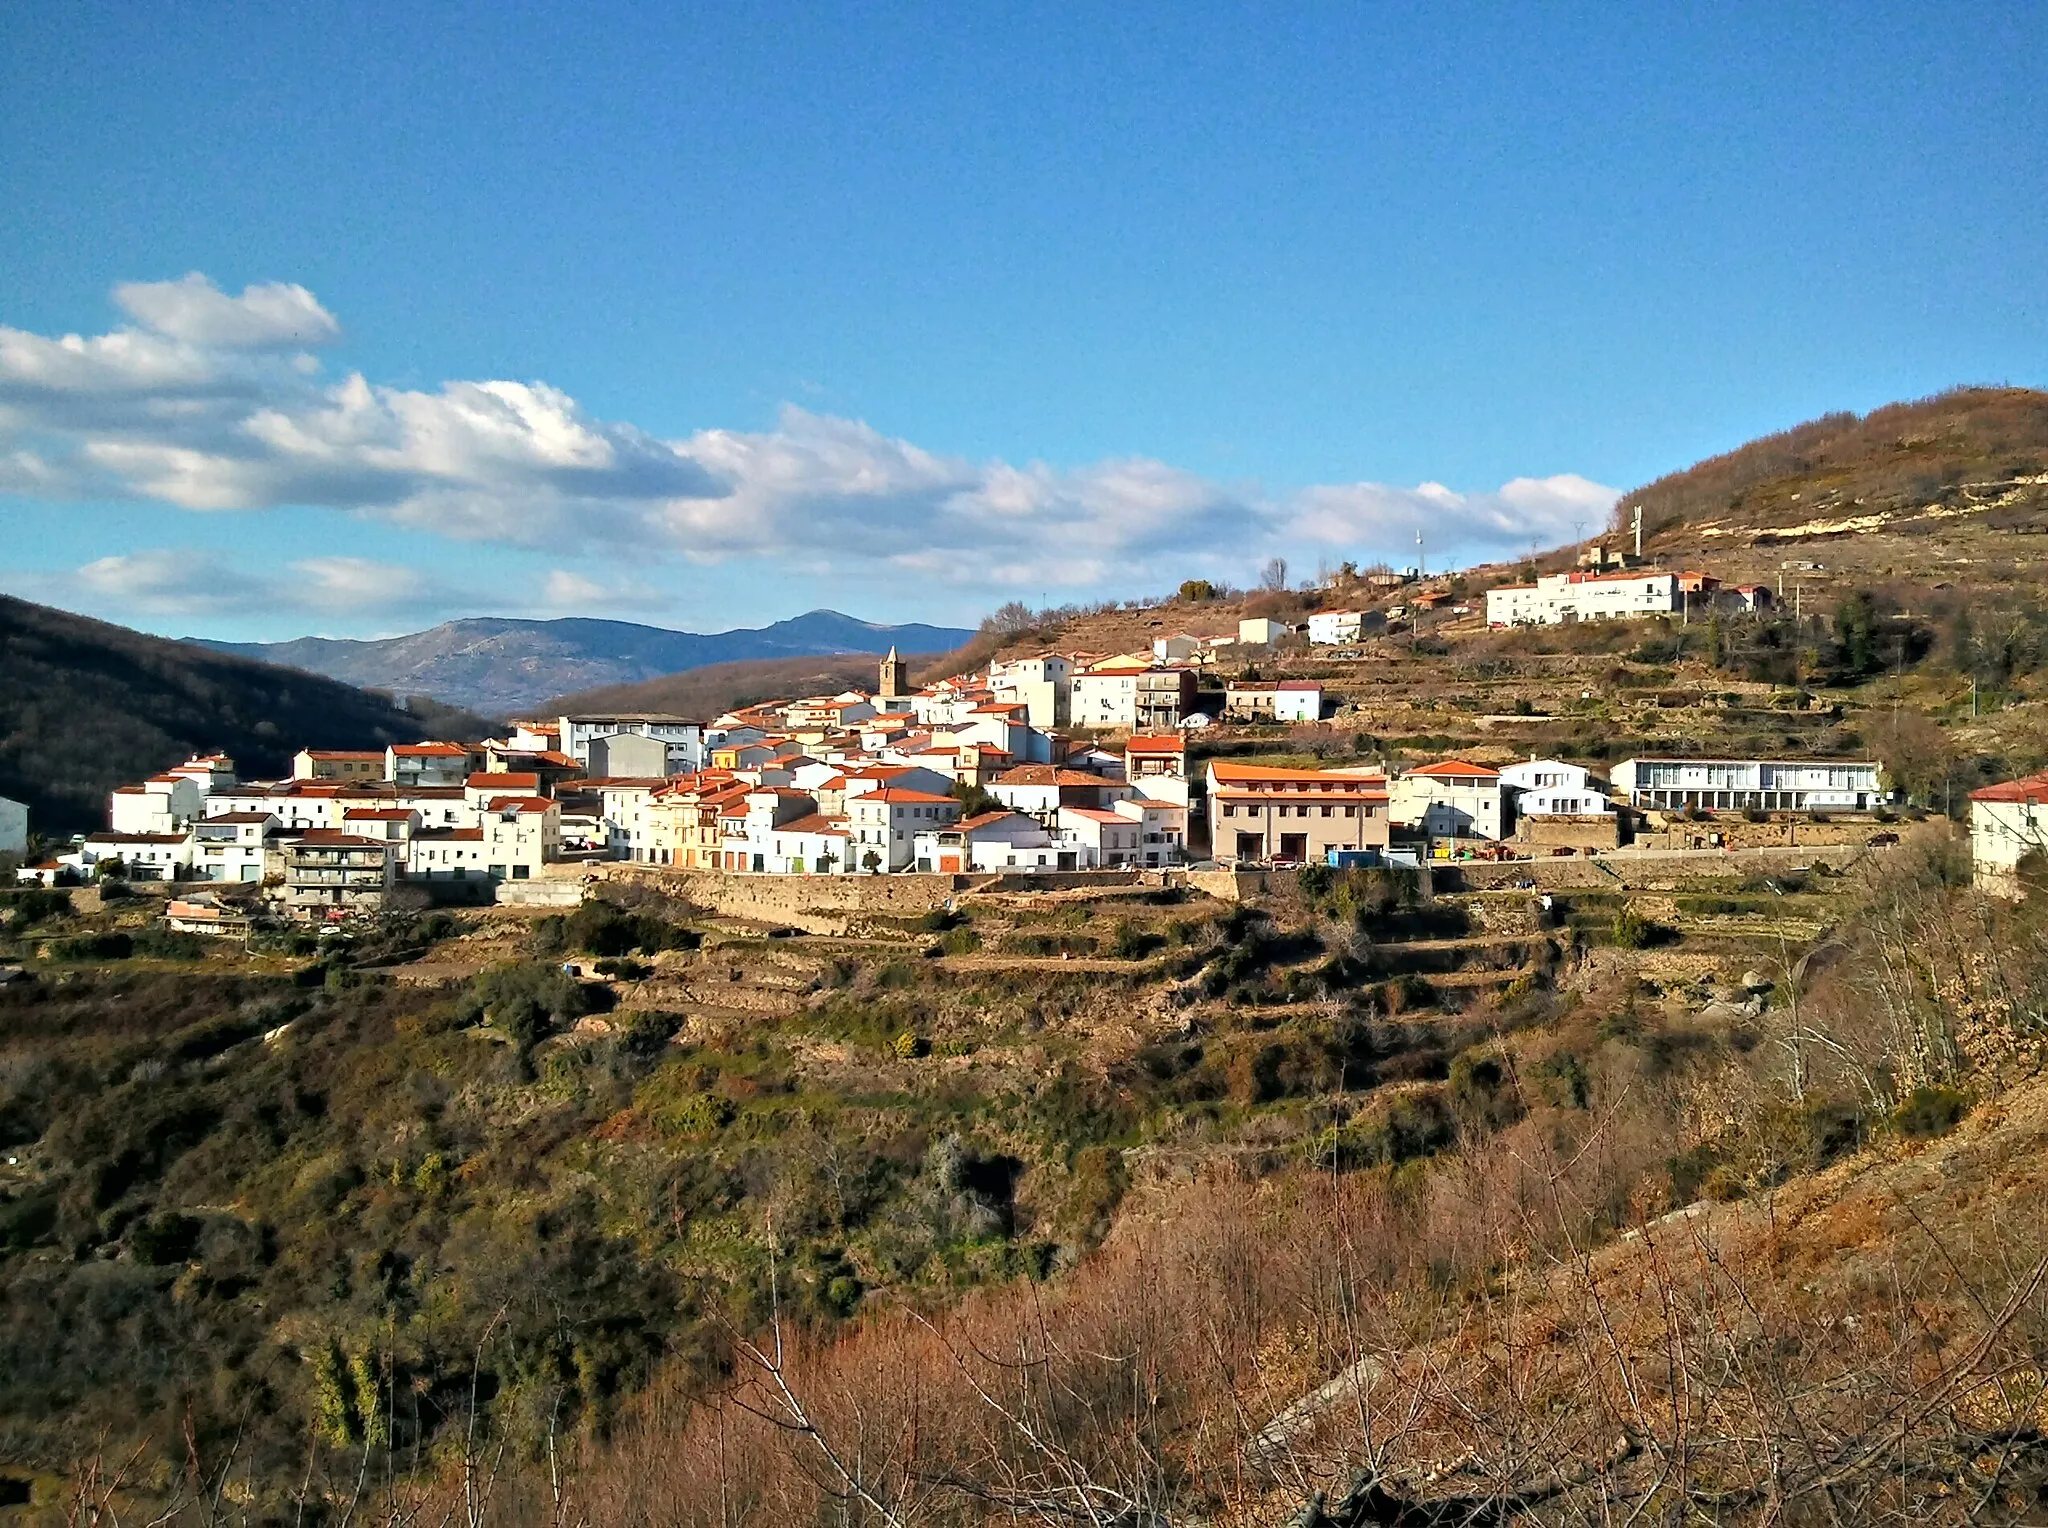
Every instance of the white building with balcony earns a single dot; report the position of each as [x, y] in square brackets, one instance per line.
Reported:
[1765, 785]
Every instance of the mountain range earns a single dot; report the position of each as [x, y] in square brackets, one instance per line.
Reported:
[502, 666]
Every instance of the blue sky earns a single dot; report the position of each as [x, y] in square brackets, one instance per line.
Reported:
[392, 313]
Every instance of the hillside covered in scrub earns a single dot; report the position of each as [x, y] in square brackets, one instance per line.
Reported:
[1192, 1208]
[86, 706]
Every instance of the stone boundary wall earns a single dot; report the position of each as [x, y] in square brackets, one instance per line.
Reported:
[541, 893]
[1642, 869]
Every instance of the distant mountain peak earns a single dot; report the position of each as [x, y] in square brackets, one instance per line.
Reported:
[503, 664]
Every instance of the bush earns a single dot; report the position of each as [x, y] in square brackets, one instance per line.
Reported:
[1634, 931]
[1133, 943]
[168, 944]
[84, 947]
[607, 929]
[1929, 1112]
[168, 1238]
[527, 1002]
[1483, 1090]
[910, 1045]
[1411, 1126]
[625, 970]
[36, 905]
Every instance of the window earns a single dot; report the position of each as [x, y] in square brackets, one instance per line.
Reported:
[1326, 811]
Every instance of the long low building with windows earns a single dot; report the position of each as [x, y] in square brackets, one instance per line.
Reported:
[1293, 815]
[1558, 598]
[1766, 785]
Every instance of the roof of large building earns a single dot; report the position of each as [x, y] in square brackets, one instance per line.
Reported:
[429, 750]
[1444, 769]
[1154, 743]
[1050, 774]
[510, 782]
[898, 797]
[817, 822]
[2030, 789]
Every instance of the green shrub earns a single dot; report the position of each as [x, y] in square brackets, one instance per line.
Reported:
[168, 944]
[85, 947]
[910, 1045]
[1633, 931]
[1482, 1088]
[164, 1239]
[24, 1222]
[1560, 1080]
[1130, 942]
[1929, 1112]
[1409, 1127]
[34, 905]
[525, 1001]
[842, 1294]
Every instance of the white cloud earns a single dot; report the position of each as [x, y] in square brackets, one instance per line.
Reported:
[201, 409]
[567, 593]
[194, 310]
[1386, 518]
[183, 582]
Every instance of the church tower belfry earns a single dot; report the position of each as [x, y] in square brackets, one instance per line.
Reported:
[892, 686]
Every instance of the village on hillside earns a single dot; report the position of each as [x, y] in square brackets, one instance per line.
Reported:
[1042, 765]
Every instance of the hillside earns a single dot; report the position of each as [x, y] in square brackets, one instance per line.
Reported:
[500, 667]
[1971, 452]
[86, 706]
[1244, 1183]
[705, 692]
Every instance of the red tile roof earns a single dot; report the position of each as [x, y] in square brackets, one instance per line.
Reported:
[2030, 789]
[1051, 774]
[1445, 768]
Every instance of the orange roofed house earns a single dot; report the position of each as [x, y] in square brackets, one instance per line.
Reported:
[1452, 799]
[1294, 815]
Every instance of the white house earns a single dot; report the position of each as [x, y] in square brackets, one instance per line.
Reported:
[1162, 828]
[1557, 598]
[1258, 631]
[1156, 765]
[13, 826]
[993, 841]
[1768, 785]
[685, 738]
[161, 804]
[446, 854]
[884, 825]
[521, 834]
[1105, 840]
[629, 828]
[1044, 685]
[1178, 648]
[1451, 799]
[810, 845]
[1297, 700]
[143, 856]
[429, 763]
[1040, 790]
[231, 847]
[1336, 628]
[2008, 821]
[1107, 697]
[1545, 774]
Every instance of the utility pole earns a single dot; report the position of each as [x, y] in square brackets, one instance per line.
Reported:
[1638, 518]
